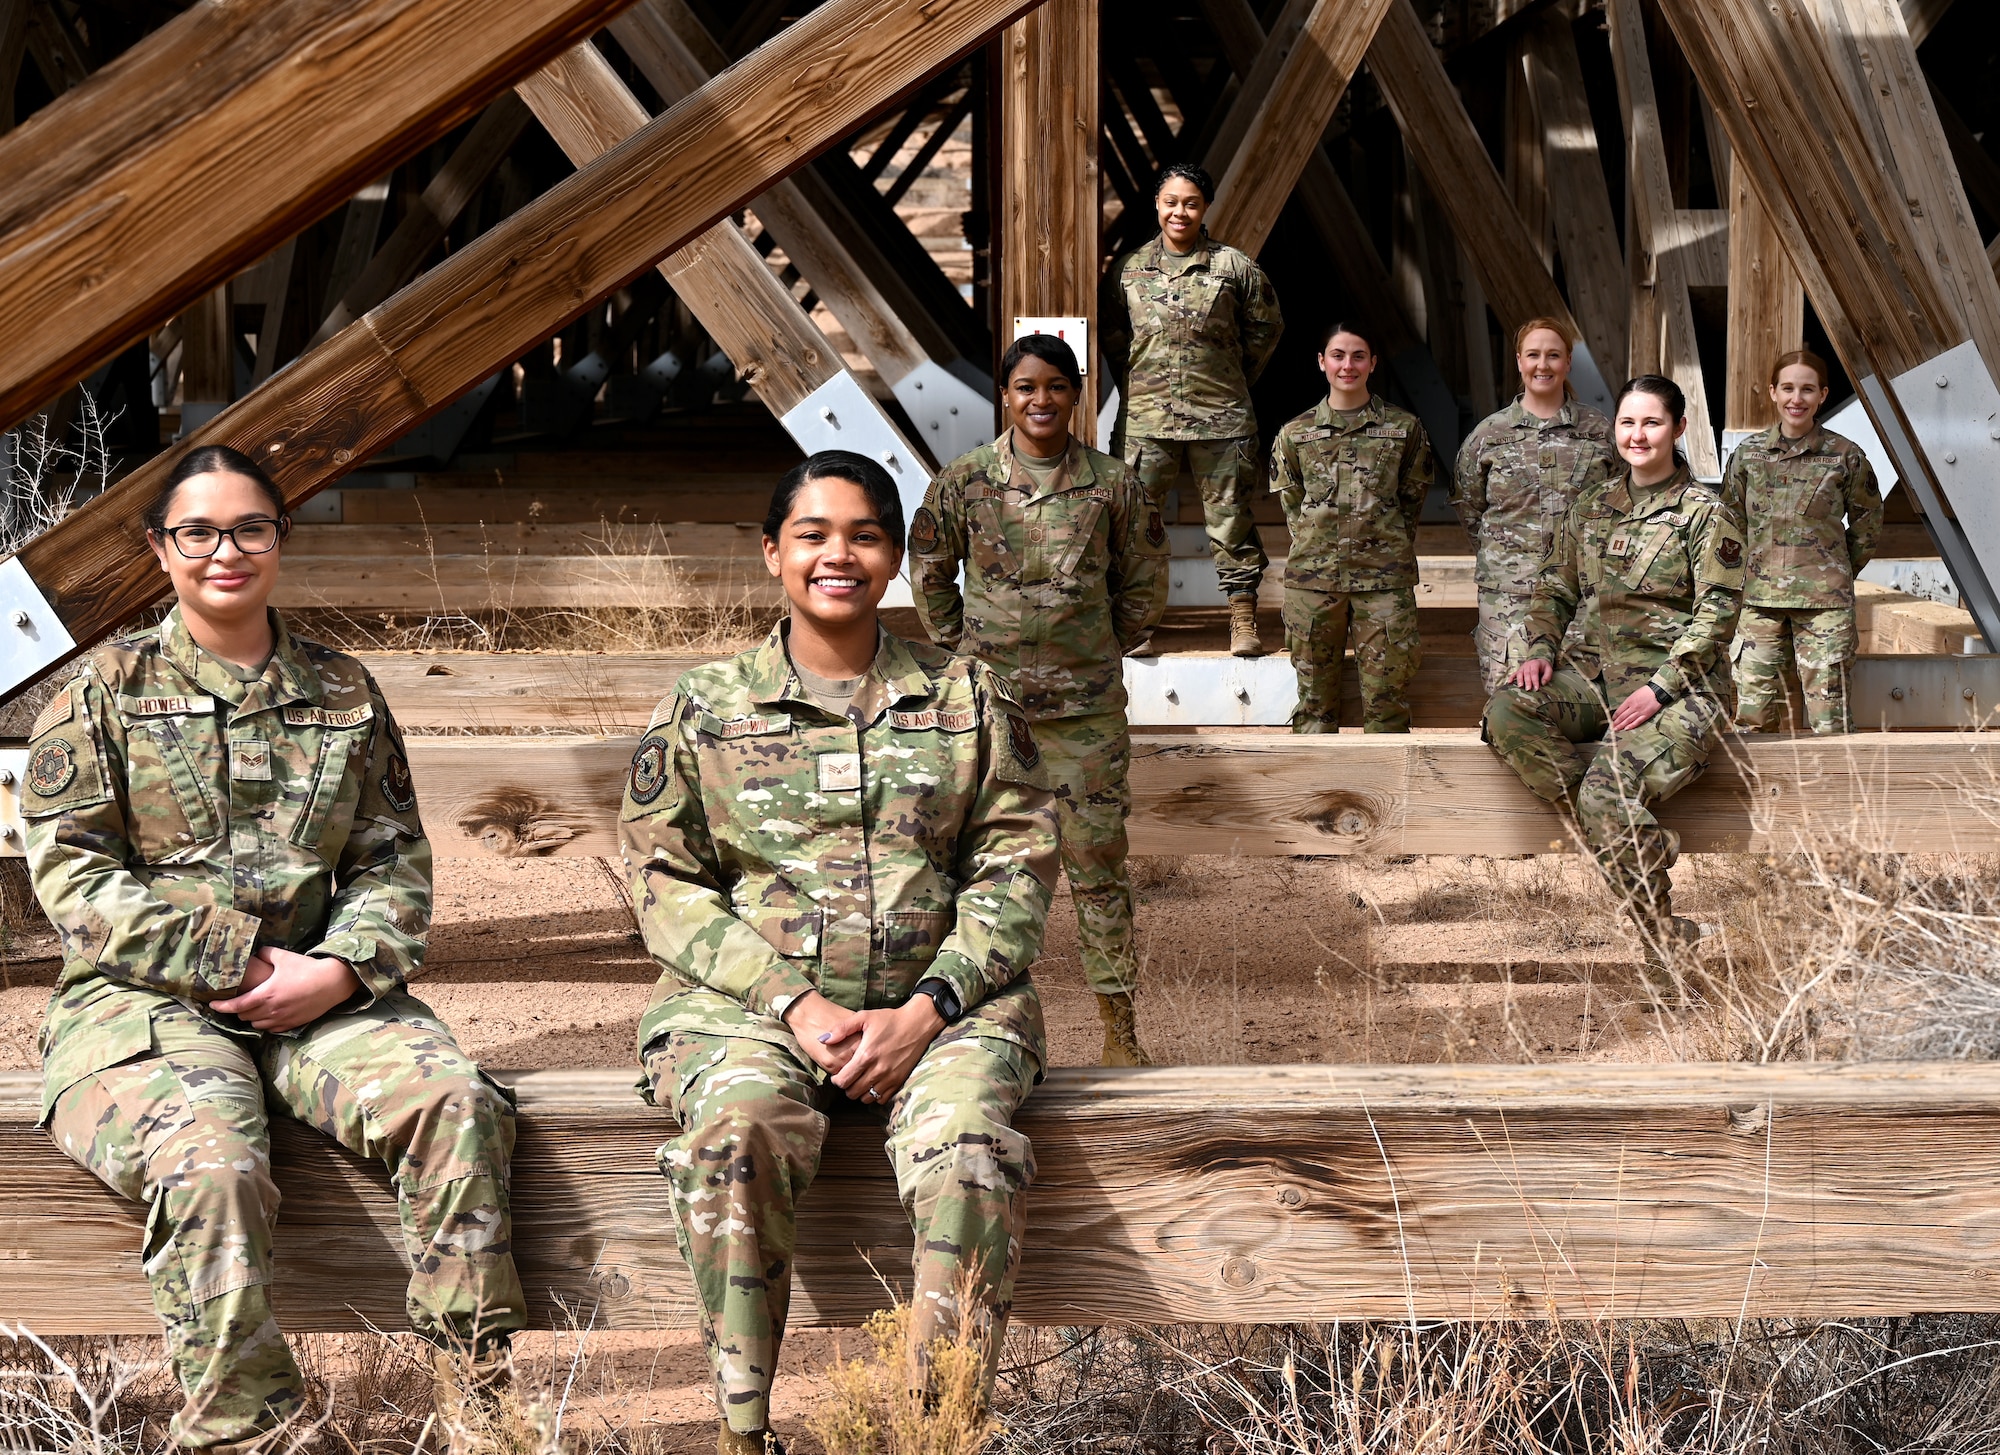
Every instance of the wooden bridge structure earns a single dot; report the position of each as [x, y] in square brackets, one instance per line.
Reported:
[515, 264]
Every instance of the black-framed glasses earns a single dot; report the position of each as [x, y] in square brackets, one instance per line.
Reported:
[251, 537]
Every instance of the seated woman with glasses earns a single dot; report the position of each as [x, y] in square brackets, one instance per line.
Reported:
[222, 825]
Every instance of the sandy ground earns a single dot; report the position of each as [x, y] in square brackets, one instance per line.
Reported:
[536, 964]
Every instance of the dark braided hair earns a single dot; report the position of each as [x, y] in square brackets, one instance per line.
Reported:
[1187, 172]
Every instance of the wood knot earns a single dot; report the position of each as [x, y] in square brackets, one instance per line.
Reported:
[516, 824]
[1289, 1196]
[1238, 1271]
[1750, 1121]
[1342, 814]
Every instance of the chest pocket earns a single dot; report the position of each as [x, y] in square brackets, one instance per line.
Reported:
[182, 749]
[1822, 497]
[986, 548]
[333, 768]
[1075, 526]
[1657, 562]
[1319, 466]
[1368, 483]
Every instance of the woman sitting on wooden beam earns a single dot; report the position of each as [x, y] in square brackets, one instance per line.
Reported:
[1664, 556]
[843, 847]
[221, 823]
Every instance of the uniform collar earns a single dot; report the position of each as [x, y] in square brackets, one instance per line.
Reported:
[287, 678]
[1323, 414]
[1074, 474]
[1632, 500]
[1520, 415]
[1809, 443]
[773, 680]
[1153, 255]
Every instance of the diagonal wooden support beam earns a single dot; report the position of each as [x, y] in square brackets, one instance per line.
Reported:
[1462, 177]
[214, 139]
[1659, 234]
[1828, 119]
[948, 398]
[488, 302]
[401, 258]
[1285, 129]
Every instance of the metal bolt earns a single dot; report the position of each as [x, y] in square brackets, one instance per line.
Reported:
[6, 777]
[1966, 693]
[1950, 459]
[935, 425]
[1996, 433]
[1942, 382]
[1242, 693]
[889, 459]
[6, 831]
[23, 620]
[1897, 693]
[1173, 694]
[919, 383]
[826, 413]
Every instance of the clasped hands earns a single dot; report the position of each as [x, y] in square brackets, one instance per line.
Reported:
[282, 990]
[869, 1053]
[1635, 711]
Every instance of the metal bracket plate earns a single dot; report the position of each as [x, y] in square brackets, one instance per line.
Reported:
[32, 637]
[1210, 691]
[950, 415]
[13, 827]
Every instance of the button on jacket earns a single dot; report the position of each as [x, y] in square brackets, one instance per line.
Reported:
[1813, 512]
[1193, 342]
[1666, 564]
[776, 848]
[1352, 489]
[179, 818]
[1057, 584]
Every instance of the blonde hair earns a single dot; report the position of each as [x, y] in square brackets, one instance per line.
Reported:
[1561, 330]
[1806, 357]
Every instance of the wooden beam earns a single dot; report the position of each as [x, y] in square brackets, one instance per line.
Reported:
[1767, 311]
[1286, 128]
[1461, 175]
[1922, 17]
[1438, 793]
[1658, 233]
[208, 357]
[1586, 230]
[118, 182]
[424, 226]
[1050, 213]
[1257, 78]
[1190, 1194]
[13, 50]
[488, 302]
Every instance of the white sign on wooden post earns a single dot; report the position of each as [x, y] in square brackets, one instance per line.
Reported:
[1073, 331]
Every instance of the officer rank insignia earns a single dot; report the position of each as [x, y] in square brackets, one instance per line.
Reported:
[52, 768]
[649, 769]
[397, 786]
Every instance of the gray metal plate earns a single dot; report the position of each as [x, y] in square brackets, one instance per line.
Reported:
[32, 637]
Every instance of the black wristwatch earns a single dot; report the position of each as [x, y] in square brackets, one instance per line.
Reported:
[1661, 695]
[943, 997]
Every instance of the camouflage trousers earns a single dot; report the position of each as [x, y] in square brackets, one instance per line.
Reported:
[1387, 651]
[185, 1129]
[1089, 763]
[754, 1118]
[1230, 475]
[1558, 740]
[1501, 645]
[1770, 639]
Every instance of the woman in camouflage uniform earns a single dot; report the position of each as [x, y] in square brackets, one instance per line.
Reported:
[1188, 325]
[1065, 569]
[1352, 473]
[1517, 474]
[1663, 556]
[221, 823]
[842, 848]
[1813, 510]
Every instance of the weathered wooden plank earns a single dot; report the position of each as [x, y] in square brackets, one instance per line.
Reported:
[214, 138]
[1195, 1195]
[1461, 175]
[490, 300]
[1659, 233]
[1586, 230]
[1286, 128]
[1767, 311]
[1049, 211]
[1434, 793]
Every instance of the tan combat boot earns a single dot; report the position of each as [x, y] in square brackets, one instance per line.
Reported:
[1243, 639]
[1121, 1032]
[1664, 971]
[467, 1388]
[762, 1442]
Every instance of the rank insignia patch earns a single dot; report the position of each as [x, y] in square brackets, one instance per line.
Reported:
[649, 769]
[1729, 552]
[52, 768]
[397, 786]
[1156, 528]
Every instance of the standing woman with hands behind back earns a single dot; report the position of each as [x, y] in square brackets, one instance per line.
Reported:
[221, 823]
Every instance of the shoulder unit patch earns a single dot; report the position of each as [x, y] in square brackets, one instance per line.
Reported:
[52, 767]
[397, 785]
[649, 768]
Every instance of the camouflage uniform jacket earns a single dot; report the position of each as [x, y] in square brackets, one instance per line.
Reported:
[1814, 512]
[1352, 491]
[1666, 565]
[775, 848]
[179, 818]
[1190, 344]
[1057, 585]
[1517, 476]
